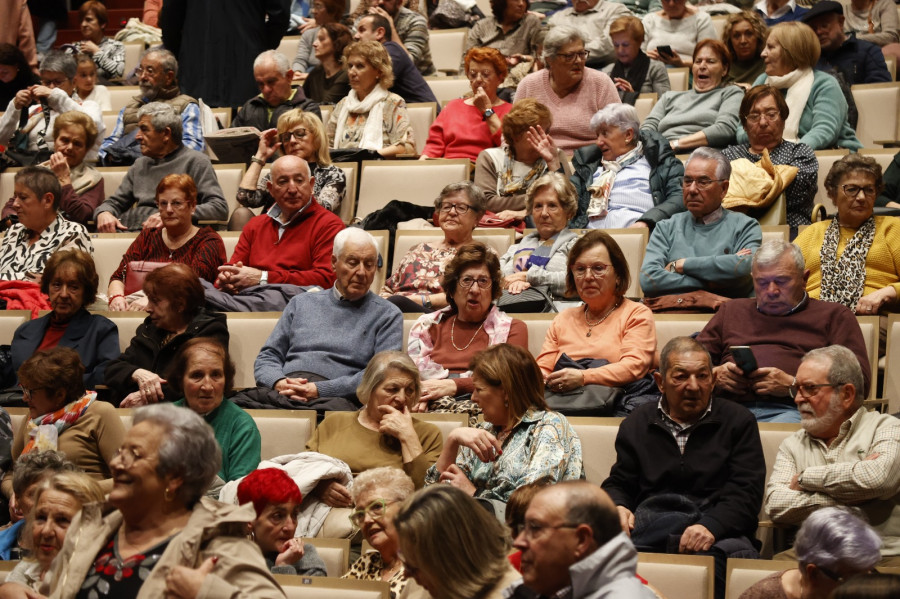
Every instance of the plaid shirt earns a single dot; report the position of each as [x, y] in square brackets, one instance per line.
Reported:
[681, 432]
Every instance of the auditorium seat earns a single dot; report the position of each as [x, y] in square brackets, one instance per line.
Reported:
[418, 182]
[598, 445]
[334, 552]
[421, 115]
[448, 88]
[644, 104]
[678, 576]
[321, 587]
[678, 78]
[10, 320]
[108, 251]
[288, 47]
[892, 365]
[826, 159]
[445, 422]
[248, 332]
[121, 96]
[744, 573]
[879, 112]
[447, 46]
[283, 432]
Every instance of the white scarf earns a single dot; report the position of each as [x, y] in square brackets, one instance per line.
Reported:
[372, 106]
[799, 84]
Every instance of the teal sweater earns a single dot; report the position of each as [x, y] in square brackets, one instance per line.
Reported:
[238, 437]
[709, 252]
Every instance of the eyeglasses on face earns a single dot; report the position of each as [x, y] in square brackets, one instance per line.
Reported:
[810, 389]
[461, 209]
[127, 456]
[851, 191]
[176, 205]
[703, 183]
[532, 529]
[570, 57]
[579, 271]
[482, 282]
[298, 134]
[26, 392]
[149, 71]
[770, 115]
[375, 510]
[53, 82]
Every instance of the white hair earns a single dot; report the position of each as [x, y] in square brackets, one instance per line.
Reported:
[280, 61]
[354, 234]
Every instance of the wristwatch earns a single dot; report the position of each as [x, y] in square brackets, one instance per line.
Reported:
[258, 161]
[487, 114]
[264, 278]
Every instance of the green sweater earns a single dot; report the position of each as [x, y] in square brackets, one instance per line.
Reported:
[715, 113]
[238, 437]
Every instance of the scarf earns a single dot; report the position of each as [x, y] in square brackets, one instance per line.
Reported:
[44, 431]
[798, 84]
[605, 178]
[635, 74]
[508, 184]
[844, 279]
[372, 107]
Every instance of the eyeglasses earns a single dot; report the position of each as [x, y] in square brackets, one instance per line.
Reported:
[703, 183]
[298, 134]
[851, 191]
[150, 71]
[570, 57]
[461, 209]
[482, 282]
[809, 389]
[53, 82]
[770, 115]
[532, 529]
[127, 456]
[579, 271]
[176, 205]
[550, 208]
[375, 510]
[28, 392]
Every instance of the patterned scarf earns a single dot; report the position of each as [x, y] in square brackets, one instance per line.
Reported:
[44, 431]
[605, 178]
[844, 279]
[509, 184]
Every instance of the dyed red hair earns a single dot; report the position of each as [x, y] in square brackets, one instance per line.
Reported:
[268, 485]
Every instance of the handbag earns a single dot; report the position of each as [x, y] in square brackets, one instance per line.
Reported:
[136, 273]
[531, 301]
[588, 400]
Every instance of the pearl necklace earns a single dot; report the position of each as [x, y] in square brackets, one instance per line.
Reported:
[590, 324]
[453, 341]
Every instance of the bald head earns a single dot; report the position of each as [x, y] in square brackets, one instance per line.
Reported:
[291, 185]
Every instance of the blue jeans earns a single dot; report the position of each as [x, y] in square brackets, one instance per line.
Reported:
[770, 411]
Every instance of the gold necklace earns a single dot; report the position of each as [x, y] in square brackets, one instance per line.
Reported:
[453, 341]
[590, 324]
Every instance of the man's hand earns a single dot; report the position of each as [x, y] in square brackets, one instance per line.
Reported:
[154, 221]
[456, 477]
[107, 223]
[771, 381]
[297, 389]
[626, 519]
[236, 277]
[730, 378]
[333, 493]
[696, 538]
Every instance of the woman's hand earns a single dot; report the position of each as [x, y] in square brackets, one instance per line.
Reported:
[565, 380]
[149, 385]
[118, 304]
[133, 400]
[623, 84]
[544, 145]
[89, 47]
[268, 144]
[481, 100]
[437, 388]
[485, 445]
[395, 423]
[518, 287]
[333, 493]
[456, 477]
[23, 99]
[291, 551]
[138, 304]
[516, 277]
[513, 214]
[60, 167]
[870, 304]
[185, 583]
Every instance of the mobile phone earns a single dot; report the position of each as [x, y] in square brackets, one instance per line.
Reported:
[667, 50]
[744, 358]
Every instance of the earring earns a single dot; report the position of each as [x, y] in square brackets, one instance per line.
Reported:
[167, 495]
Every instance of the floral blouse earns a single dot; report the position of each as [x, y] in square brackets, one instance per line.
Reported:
[329, 189]
[420, 271]
[396, 129]
[369, 566]
[543, 443]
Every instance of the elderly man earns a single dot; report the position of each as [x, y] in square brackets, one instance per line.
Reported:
[780, 325]
[133, 205]
[844, 455]
[707, 248]
[779, 11]
[689, 471]
[593, 17]
[409, 29]
[857, 60]
[305, 359]
[273, 76]
[573, 546]
[40, 230]
[408, 81]
[158, 80]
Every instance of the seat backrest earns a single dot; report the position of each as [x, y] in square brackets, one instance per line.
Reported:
[112, 178]
[891, 62]
[537, 324]
[7, 185]
[348, 205]
[448, 88]
[283, 432]
[127, 324]
[10, 320]
[230, 239]
[404, 239]
[678, 576]
[445, 422]
[826, 159]
[108, 251]
[780, 232]
[771, 435]
[633, 243]
[121, 96]
[133, 51]
[334, 552]
[109, 120]
[288, 47]
[871, 331]
[644, 104]
[322, 587]
[669, 326]
[447, 47]
[883, 156]
[223, 114]
[878, 105]
[248, 332]
[678, 79]
[744, 573]
[418, 182]
[421, 115]
[229, 176]
[598, 445]
[382, 238]
[892, 364]
[326, 110]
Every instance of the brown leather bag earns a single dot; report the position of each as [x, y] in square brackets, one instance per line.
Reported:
[137, 272]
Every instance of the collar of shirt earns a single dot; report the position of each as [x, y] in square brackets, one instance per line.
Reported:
[670, 422]
[275, 214]
[713, 217]
[800, 305]
[340, 297]
[762, 6]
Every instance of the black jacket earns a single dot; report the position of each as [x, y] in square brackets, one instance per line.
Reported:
[255, 111]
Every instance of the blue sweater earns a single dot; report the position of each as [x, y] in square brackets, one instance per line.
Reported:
[334, 338]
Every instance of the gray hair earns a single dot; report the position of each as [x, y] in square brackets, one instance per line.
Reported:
[166, 59]
[681, 345]
[376, 371]
[474, 193]
[188, 448]
[723, 165]
[276, 57]
[833, 536]
[619, 115]
[394, 484]
[58, 61]
[565, 193]
[352, 234]
[162, 116]
[558, 37]
[33, 466]
[844, 368]
[771, 251]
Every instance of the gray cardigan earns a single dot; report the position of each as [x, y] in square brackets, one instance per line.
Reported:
[715, 113]
[554, 274]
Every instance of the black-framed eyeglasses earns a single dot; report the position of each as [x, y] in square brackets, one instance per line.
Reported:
[376, 509]
[298, 134]
[532, 529]
[702, 183]
[851, 191]
[482, 282]
[570, 57]
[810, 389]
[461, 209]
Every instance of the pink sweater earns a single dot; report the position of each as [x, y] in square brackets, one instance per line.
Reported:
[627, 339]
[572, 114]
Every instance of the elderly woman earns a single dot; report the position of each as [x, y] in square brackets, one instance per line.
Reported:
[175, 302]
[108, 54]
[854, 259]
[504, 174]
[324, 12]
[63, 416]
[203, 373]
[452, 547]
[41, 231]
[629, 178]
[377, 494]
[467, 126]
[540, 258]
[763, 115]
[706, 114]
[832, 546]
[415, 285]
[56, 502]
[571, 92]
[472, 282]
[634, 72]
[680, 26]
[370, 117]
[15, 73]
[160, 522]
[790, 55]
[512, 30]
[383, 432]
[327, 82]
[745, 37]
[519, 441]
[70, 282]
[276, 499]
[607, 327]
[178, 240]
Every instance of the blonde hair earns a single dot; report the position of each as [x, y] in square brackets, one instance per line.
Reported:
[375, 54]
[314, 126]
[798, 42]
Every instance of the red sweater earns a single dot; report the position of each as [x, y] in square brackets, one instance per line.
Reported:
[460, 132]
[303, 254]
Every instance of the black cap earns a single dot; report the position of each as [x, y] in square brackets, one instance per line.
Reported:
[822, 8]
